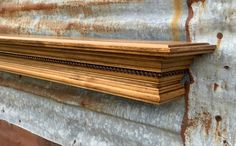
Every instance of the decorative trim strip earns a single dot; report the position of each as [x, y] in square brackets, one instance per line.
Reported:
[96, 67]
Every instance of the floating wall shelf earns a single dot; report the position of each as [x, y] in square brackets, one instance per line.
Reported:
[148, 71]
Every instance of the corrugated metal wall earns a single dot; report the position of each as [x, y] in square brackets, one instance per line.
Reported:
[82, 117]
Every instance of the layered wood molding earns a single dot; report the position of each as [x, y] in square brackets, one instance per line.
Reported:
[148, 71]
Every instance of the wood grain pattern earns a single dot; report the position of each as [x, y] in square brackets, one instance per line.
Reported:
[148, 71]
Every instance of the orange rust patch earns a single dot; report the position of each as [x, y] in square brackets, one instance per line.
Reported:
[219, 38]
[101, 2]
[190, 16]
[218, 125]
[215, 86]
[61, 27]
[207, 121]
[97, 26]
[27, 6]
[185, 123]
[87, 11]
[176, 19]
[225, 143]
[4, 29]
[219, 35]
[219, 132]
[204, 119]
[89, 103]
[86, 7]
[11, 135]
[73, 8]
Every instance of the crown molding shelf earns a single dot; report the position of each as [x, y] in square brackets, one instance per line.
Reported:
[148, 71]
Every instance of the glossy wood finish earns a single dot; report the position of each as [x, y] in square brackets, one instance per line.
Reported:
[148, 71]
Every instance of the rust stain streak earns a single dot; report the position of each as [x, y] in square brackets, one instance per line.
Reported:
[219, 38]
[11, 135]
[204, 119]
[97, 26]
[207, 122]
[62, 94]
[218, 126]
[190, 16]
[220, 133]
[5, 29]
[11, 8]
[58, 27]
[215, 86]
[86, 7]
[101, 2]
[176, 20]
[185, 121]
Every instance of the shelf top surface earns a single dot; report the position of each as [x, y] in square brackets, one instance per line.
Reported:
[110, 45]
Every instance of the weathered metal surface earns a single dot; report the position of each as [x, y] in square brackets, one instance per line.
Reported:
[137, 19]
[214, 89]
[206, 117]
[68, 124]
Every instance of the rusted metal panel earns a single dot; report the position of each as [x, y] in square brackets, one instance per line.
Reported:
[137, 19]
[206, 117]
[214, 88]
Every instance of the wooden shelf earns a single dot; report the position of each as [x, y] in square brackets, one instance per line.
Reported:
[148, 71]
